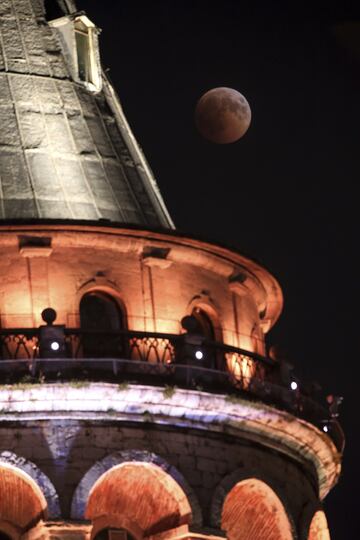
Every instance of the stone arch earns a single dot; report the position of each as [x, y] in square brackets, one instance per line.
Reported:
[82, 491]
[143, 495]
[238, 477]
[39, 478]
[319, 529]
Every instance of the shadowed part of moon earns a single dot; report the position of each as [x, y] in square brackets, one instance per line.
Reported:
[222, 115]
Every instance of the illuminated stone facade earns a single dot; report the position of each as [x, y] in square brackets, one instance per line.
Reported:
[114, 455]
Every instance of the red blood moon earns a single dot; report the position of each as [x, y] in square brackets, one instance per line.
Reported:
[222, 115]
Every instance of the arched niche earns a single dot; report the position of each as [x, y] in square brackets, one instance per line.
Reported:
[100, 310]
[205, 324]
[318, 527]
[103, 313]
[206, 315]
[23, 504]
[252, 511]
[142, 496]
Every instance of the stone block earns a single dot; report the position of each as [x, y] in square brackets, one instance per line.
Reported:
[187, 462]
[9, 133]
[206, 465]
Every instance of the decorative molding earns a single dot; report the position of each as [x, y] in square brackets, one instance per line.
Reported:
[31, 252]
[156, 257]
[157, 262]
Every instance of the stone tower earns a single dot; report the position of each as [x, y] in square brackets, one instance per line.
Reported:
[137, 399]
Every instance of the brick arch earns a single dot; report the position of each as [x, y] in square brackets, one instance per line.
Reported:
[253, 511]
[40, 479]
[83, 489]
[318, 529]
[144, 494]
[23, 504]
[229, 482]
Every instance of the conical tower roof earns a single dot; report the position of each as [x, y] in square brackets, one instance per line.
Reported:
[66, 150]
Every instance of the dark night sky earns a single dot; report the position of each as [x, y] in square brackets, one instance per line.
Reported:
[285, 193]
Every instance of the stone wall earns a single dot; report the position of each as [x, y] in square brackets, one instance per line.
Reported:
[155, 292]
[65, 450]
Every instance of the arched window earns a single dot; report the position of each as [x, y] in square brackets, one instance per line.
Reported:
[101, 321]
[205, 324]
[113, 534]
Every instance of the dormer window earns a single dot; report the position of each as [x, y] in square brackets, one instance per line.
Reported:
[79, 41]
[87, 61]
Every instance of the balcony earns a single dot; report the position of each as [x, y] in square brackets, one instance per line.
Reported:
[165, 360]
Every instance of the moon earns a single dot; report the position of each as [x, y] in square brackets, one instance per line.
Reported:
[222, 115]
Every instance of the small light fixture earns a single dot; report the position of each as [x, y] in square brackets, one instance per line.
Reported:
[326, 428]
[294, 385]
[51, 336]
[199, 355]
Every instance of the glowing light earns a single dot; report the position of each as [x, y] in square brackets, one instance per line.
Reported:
[326, 429]
[243, 369]
[55, 346]
[294, 385]
[199, 355]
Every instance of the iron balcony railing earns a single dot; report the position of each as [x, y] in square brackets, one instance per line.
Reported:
[185, 360]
